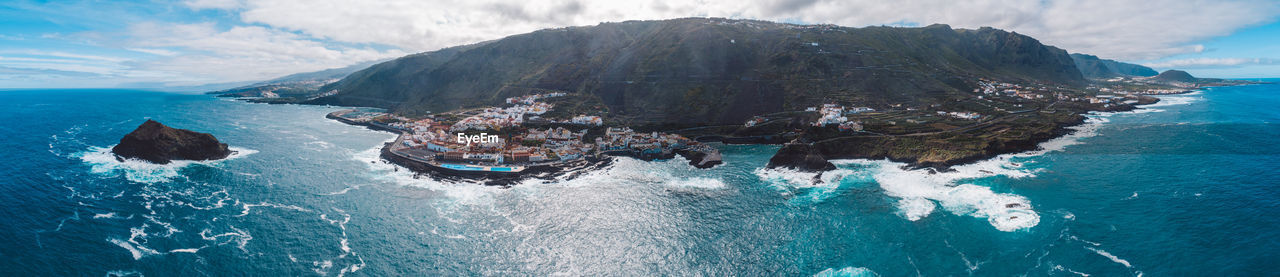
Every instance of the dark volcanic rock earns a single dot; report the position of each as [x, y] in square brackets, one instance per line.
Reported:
[800, 156]
[701, 159]
[161, 144]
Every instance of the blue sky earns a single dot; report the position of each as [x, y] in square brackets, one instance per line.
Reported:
[158, 44]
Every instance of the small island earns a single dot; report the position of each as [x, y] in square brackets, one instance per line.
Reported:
[154, 142]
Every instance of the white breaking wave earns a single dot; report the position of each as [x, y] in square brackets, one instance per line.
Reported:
[846, 272]
[103, 162]
[1064, 269]
[919, 190]
[1108, 255]
[808, 186]
[138, 251]
[343, 191]
[1175, 100]
[185, 250]
[915, 208]
[702, 183]
[122, 273]
[468, 193]
[621, 171]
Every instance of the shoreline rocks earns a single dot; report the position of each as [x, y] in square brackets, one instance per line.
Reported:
[800, 156]
[157, 143]
[702, 160]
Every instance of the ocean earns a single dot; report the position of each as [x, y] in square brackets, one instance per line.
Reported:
[1188, 186]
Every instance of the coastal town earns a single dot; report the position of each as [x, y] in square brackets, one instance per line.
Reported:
[522, 137]
[496, 140]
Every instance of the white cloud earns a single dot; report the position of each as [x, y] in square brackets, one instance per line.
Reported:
[1129, 30]
[74, 56]
[241, 53]
[213, 4]
[262, 39]
[1212, 62]
[62, 65]
[155, 51]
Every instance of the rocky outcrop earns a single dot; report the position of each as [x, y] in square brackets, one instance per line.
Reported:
[800, 156]
[701, 159]
[157, 143]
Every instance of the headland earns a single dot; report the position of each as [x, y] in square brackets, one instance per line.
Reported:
[510, 143]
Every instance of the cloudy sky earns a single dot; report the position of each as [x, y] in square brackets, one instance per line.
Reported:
[161, 43]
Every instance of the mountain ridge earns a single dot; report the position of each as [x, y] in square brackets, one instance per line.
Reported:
[297, 85]
[1097, 68]
[707, 70]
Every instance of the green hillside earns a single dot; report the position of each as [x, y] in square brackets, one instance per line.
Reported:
[708, 71]
[1093, 67]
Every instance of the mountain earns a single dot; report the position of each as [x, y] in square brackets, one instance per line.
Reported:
[1095, 68]
[1182, 79]
[385, 84]
[300, 85]
[1092, 67]
[165, 86]
[708, 71]
[1129, 69]
[1175, 76]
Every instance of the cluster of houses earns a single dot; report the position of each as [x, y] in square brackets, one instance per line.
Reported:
[1107, 100]
[993, 87]
[531, 146]
[589, 120]
[961, 115]
[833, 114]
[1162, 91]
[532, 98]
[370, 115]
[630, 142]
[1027, 92]
[494, 118]
[412, 126]
[1007, 89]
[1150, 91]
[536, 146]
[433, 140]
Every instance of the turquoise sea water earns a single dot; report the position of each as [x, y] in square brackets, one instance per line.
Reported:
[1185, 187]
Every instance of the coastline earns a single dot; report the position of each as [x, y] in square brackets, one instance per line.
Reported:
[1062, 131]
[941, 154]
[509, 175]
[938, 157]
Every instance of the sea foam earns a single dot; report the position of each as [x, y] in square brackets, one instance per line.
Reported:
[1176, 100]
[846, 272]
[674, 173]
[809, 187]
[919, 190]
[103, 162]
